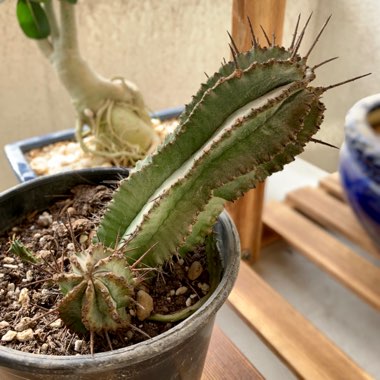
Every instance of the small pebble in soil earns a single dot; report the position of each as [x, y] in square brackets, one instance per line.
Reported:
[132, 312]
[144, 305]
[188, 302]
[25, 335]
[9, 336]
[24, 324]
[3, 324]
[71, 211]
[44, 348]
[83, 238]
[56, 324]
[204, 287]
[23, 298]
[181, 261]
[78, 345]
[181, 290]
[10, 266]
[8, 260]
[29, 275]
[45, 219]
[195, 270]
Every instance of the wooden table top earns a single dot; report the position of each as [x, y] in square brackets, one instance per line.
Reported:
[225, 362]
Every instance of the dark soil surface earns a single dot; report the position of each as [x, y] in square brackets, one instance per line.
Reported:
[28, 321]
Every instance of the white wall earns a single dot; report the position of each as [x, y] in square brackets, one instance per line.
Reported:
[165, 47]
[353, 34]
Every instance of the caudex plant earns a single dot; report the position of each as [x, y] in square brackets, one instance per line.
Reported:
[113, 111]
[246, 122]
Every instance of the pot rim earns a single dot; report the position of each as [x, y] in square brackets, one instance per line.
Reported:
[357, 128]
[143, 350]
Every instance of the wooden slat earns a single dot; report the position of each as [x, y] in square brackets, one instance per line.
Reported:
[306, 351]
[268, 13]
[331, 184]
[323, 249]
[247, 215]
[247, 212]
[225, 361]
[332, 213]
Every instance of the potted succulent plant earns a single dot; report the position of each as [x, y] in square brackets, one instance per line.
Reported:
[360, 163]
[247, 121]
[113, 123]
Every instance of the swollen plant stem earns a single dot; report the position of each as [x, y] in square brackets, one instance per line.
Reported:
[86, 88]
[89, 92]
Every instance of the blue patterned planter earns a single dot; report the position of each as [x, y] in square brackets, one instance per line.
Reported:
[360, 165]
[15, 152]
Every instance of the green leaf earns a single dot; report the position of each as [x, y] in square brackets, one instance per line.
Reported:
[70, 309]
[22, 252]
[32, 19]
[67, 282]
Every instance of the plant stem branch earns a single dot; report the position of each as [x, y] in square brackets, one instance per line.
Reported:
[50, 13]
[68, 37]
[45, 47]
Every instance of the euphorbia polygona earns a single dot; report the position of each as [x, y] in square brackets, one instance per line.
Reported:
[246, 122]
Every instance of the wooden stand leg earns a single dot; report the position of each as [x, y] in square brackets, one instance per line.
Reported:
[247, 211]
[248, 220]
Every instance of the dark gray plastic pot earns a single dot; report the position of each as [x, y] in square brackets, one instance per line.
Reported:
[177, 354]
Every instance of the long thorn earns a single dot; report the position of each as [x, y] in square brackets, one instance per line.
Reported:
[109, 341]
[55, 270]
[44, 315]
[295, 33]
[206, 75]
[254, 40]
[69, 344]
[234, 57]
[344, 82]
[71, 231]
[299, 40]
[140, 331]
[92, 343]
[38, 281]
[324, 62]
[233, 43]
[323, 143]
[53, 255]
[318, 35]
[266, 36]
[138, 261]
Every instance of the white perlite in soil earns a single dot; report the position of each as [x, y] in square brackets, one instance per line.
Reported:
[68, 155]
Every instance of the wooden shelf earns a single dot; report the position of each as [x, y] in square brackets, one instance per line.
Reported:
[225, 361]
[304, 349]
[321, 226]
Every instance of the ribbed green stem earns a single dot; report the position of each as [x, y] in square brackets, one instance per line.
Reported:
[244, 124]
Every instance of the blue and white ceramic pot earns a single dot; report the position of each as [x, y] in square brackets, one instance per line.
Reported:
[360, 163]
